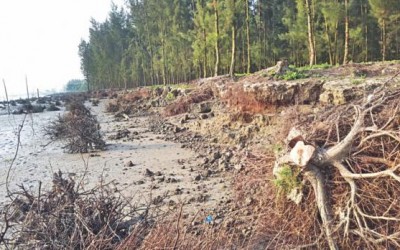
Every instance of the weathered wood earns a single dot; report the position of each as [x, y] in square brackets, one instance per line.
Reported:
[301, 154]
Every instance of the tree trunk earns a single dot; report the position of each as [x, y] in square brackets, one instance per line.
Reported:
[216, 23]
[346, 33]
[383, 40]
[248, 37]
[150, 50]
[163, 61]
[316, 178]
[205, 53]
[328, 38]
[232, 67]
[311, 42]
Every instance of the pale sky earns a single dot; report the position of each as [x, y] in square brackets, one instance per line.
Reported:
[40, 38]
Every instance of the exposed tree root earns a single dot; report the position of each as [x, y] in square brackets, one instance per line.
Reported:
[365, 154]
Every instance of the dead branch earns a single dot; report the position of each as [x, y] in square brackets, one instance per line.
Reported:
[78, 129]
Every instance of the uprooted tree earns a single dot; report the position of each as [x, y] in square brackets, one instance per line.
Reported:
[350, 156]
[78, 129]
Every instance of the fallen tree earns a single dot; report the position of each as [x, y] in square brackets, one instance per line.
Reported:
[350, 155]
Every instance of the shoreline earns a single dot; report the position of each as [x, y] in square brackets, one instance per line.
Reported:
[124, 163]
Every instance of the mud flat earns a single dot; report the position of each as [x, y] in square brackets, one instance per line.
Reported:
[140, 164]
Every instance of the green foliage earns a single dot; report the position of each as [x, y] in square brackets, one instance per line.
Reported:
[286, 180]
[241, 74]
[76, 85]
[157, 42]
[170, 96]
[317, 66]
[277, 148]
[293, 75]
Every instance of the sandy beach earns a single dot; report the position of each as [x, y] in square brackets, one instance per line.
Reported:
[124, 163]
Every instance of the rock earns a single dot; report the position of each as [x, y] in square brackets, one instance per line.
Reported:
[248, 201]
[123, 133]
[197, 178]
[175, 92]
[178, 191]
[171, 180]
[286, 93]
[140, 182]
[162, 179]
[165, 91]
[203, 116]
[223, 165]
[239, 167]
[207, 173]
[177, 129]
[157, 200]
[216, 155]
[157, 91]
[149, 173]
[129, 164]
[345, 90]
[202, 198]
[204, 107]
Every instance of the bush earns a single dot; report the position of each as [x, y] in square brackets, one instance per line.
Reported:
[293, 75]
[67, 217]
[78, 129]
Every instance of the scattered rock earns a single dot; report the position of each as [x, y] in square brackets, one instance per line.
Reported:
[178, 191]
[129, 164]
[149, 173]
[140, 182]
[124, 133]
[239, 167]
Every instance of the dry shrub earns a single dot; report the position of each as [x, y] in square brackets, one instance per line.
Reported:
[183, 104]
[364, 203]
[78, 129]
[68, 217]
[175, 232]
[276, 222]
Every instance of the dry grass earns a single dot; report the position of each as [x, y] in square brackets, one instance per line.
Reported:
[67, 217]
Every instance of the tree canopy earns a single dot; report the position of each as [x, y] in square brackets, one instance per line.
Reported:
[169, 41]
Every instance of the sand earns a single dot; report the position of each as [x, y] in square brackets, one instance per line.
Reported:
[37, 160]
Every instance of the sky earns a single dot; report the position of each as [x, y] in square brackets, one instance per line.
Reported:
[39, 39]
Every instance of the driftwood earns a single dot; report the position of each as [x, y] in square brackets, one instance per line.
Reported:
[363, 153]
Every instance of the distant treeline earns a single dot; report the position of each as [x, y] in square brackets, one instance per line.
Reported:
[169, 41]
[76, 85]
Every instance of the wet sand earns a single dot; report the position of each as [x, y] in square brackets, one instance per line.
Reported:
[174, 167]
